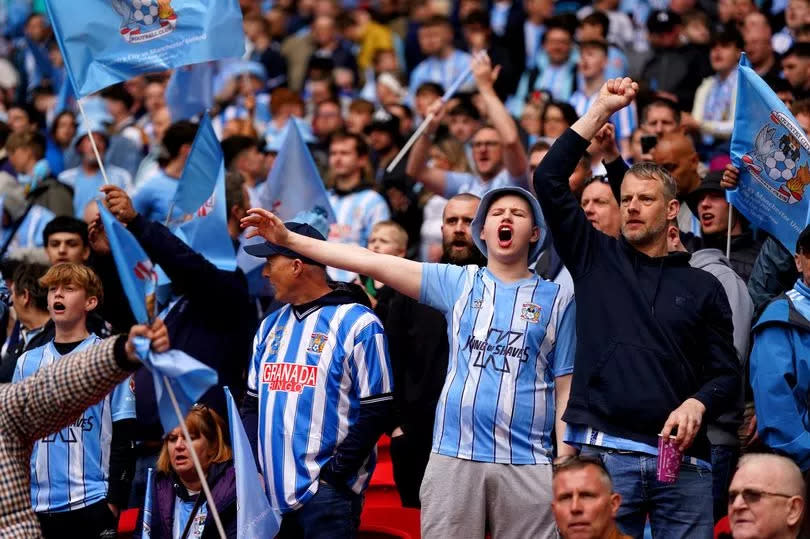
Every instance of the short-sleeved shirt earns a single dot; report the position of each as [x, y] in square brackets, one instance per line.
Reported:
[311, 372]
[154, 196]
[466, 182]
[356, 214]
[70, 468]
[86, 187]
[508, 343]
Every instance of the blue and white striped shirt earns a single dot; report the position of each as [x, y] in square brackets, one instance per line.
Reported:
[441, 71]
[508, 343]
[310, 373]
[356, 214]
[625, 120]
[70, 468]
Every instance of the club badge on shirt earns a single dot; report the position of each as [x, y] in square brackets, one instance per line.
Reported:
[530, 313]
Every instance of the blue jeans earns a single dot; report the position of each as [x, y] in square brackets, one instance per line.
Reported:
[679, 510]
[333, 513]
[724, 463]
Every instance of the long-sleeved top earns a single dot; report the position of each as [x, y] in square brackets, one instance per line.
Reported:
[652, 332]
[49, 400]
[213, 321]
[773, 273]
[780, 374]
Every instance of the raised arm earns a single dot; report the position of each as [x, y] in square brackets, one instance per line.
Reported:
[514, 156]
[433, 178]
[399, 273]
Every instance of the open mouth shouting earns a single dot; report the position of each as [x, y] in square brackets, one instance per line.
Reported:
[58, 307]
[505, 235]
[707, 219]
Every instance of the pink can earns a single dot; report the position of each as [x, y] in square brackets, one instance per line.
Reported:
[669, 459]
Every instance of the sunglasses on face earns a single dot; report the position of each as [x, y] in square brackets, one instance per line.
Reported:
[752, 496]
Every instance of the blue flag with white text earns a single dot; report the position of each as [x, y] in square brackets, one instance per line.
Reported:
[104, 42]
[773, 155]
[254, 516]
[201, 170]
[187, 378]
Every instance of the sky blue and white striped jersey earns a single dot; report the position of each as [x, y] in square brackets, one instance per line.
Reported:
[508, 342]
[310, 374]
[86, 188]
[69, 468]
[356, 214]
[625, 120]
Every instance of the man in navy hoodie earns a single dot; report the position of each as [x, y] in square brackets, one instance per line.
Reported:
[655, 354]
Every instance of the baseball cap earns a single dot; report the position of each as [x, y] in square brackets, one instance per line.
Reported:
[480, 216]
[268, 249]
[662, 21]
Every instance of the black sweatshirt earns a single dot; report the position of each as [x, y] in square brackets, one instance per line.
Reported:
[651, 332]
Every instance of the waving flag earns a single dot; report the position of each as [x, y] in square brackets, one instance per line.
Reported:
[292, 187]
[107, 41]
[773, 155]
[190, 90]
[254, 516]
[189, 379]
[200, 195]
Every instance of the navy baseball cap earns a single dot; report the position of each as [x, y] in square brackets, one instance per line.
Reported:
[267, 249]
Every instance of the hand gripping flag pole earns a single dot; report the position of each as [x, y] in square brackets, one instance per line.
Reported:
[92, 140]
[421, 129]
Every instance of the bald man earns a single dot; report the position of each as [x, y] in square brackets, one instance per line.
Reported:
[766, 498]
[676, 153]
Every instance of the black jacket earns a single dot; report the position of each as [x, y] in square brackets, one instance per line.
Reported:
[651, 332]
[214, 321]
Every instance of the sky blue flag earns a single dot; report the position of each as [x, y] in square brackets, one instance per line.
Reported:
[188, 378]
[293, 186]
[147, 507]
[66, 100]
[254, 515]
[200, 195]
[773, 155]
[190, 90]
[108, 41]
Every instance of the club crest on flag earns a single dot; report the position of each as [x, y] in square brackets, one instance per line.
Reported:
[145, 271]
[777, 161]
[144, 20]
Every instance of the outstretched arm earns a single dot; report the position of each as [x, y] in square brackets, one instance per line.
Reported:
[514, 157]
[399, 273]
[433, 178]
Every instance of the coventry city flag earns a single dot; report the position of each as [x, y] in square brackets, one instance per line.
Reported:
[773, 155]
[107, 41]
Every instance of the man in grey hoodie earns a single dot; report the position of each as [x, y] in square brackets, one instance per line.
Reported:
[723, 432]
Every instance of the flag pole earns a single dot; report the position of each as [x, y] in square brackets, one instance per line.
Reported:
[212, 508]
[93, 143]
[728, 231]
[451, 91]
[169, 216]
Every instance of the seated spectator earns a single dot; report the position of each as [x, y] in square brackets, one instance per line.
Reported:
[179, 508]
[80, 476]
[767, 498]
[584, 502]
[26, 151]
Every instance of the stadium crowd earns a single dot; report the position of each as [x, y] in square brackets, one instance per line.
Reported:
[525, 307]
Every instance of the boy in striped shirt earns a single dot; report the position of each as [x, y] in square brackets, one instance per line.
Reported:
[511, 337]
[80, 475]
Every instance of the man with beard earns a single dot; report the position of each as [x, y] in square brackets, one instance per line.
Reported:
[417, 344]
